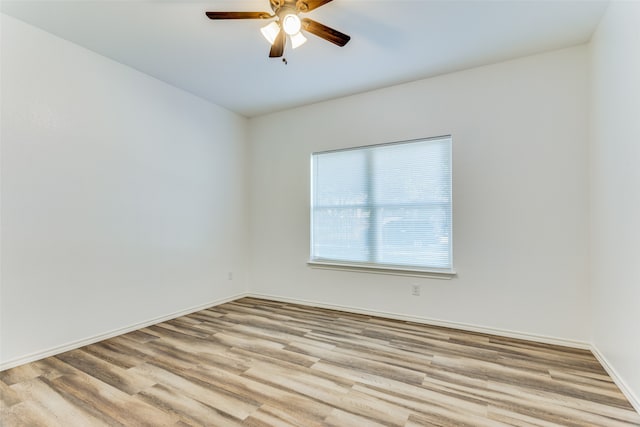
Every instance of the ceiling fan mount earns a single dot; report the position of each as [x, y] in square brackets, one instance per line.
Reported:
[298, 5]
[288, 22]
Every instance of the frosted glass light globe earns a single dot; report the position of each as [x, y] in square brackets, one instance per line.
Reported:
[291, 24]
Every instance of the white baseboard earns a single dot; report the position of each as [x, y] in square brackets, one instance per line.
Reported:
[12, 363]
[416, 319]
[626, 390]
[622, 385]
[434, 322]
[94, 339]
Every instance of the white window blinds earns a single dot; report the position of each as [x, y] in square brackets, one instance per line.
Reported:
[386, 205]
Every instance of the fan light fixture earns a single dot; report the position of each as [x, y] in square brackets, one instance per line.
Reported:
[286, 22]
[270, 31]
[291, 25]
[297, 40]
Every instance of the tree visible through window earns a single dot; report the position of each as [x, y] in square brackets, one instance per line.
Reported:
[384, 205]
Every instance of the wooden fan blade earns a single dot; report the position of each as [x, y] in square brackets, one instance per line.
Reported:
[238, 15]
[309, 5]
[329, 34]
[277, 48]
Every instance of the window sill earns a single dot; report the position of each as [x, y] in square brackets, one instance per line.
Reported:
[391, 270]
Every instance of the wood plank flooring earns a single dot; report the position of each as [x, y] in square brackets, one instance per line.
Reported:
[262, 363]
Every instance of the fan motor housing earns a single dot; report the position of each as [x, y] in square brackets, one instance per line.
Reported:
[293, 5]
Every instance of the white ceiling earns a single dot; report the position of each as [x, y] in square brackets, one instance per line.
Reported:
[392, 42]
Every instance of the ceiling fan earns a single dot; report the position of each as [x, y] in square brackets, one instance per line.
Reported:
[288, 22]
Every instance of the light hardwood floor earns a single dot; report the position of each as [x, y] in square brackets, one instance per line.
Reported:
[262, 363]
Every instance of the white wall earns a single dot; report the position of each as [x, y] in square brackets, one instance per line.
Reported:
[123, 199]
[615, 191]
[520, 181]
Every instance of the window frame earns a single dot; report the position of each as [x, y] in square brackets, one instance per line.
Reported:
[373, 267]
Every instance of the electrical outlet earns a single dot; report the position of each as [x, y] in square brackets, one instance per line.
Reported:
[415, 290]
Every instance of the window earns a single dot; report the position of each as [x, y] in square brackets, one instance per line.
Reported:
[384, 206]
